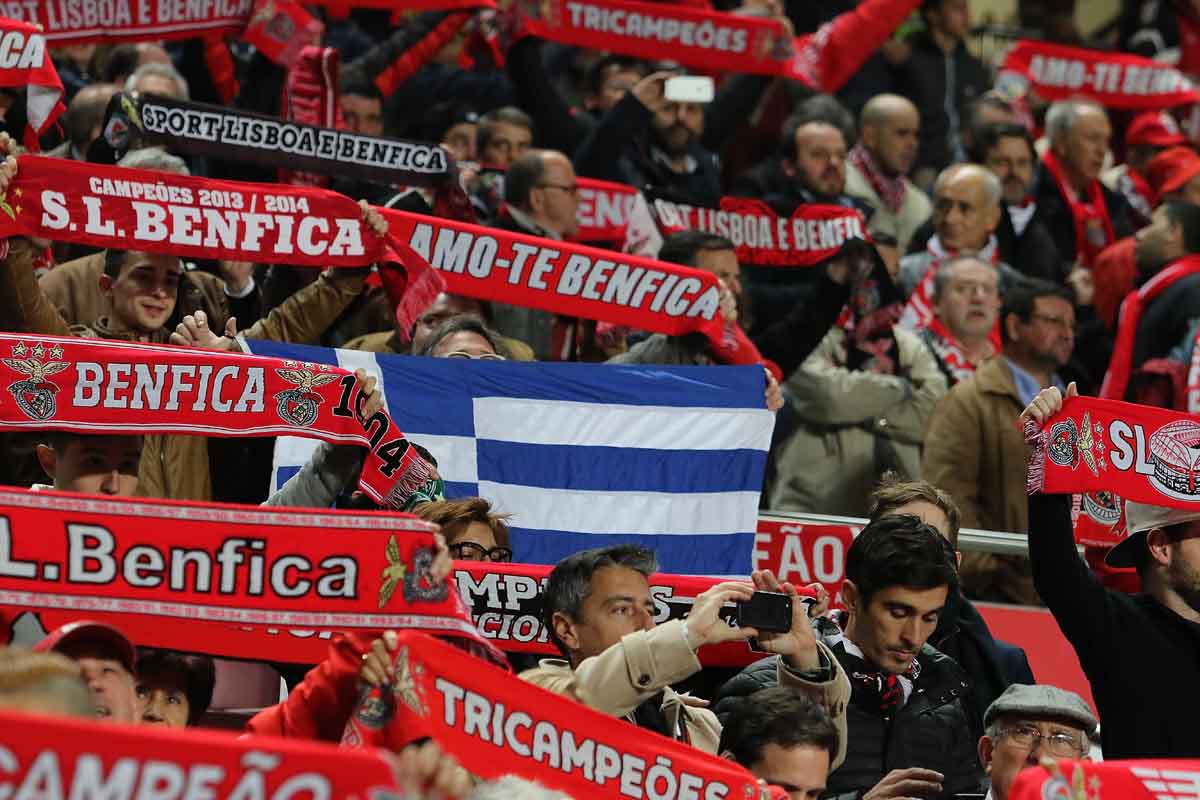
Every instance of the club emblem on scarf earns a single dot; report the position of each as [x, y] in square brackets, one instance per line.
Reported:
[35, 394]
[299, 406]
[393, 573]
[405, 685]
[15, 208]
[1070, 443]
[376, 706]
[1057, 787]
[419, 585]
[1103, 507]
[1063, 448]
[1176, 451]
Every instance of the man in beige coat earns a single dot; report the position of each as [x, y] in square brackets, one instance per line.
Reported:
[598, 607]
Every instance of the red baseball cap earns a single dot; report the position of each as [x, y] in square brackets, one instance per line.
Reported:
[1154, 128]
[86, 630]
[1171, 169]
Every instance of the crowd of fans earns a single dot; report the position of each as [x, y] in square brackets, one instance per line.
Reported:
[1005, 232]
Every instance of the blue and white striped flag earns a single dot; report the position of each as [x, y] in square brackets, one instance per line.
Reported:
[582, 455]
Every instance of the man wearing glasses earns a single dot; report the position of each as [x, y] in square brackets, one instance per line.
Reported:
[1027, 723]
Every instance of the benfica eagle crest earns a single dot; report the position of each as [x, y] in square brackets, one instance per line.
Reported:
[298, 406]
[34, 394]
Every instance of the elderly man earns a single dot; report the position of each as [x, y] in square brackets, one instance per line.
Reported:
[155, 77]
[1136, 650]
[1079, 211]
[877, 168]
[1028, 723]
[966, 305]
[106, 659]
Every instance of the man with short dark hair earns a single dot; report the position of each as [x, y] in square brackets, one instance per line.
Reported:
[1027, 724]
[599, 613]
[1136, 650]
[503, 135]
[361, 103]
[974, 452]
[95, 464]
[910, 721]
[784, 739]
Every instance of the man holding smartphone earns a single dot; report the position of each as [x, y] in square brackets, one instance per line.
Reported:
[600, 613]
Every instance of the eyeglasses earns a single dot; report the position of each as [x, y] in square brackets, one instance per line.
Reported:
[569, 188]
[1062, 745]
[475, 356]
[471, 551]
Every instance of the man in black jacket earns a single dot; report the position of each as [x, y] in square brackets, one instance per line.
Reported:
[1141, 653]
[911, 724]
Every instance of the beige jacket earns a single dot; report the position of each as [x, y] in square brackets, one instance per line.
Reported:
[646, 662]
[914, 211]
[172, 467]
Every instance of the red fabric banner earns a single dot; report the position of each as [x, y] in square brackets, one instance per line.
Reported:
[498, 724]
[562, 278]
[1108, 780]
[57, 757]
[159, 212]
[1099, 519]
[505, 602]
[24, 62]
[604, 209]
[103, 386]
[1116, 80]
[1144, 454]
[153, 565]
[813, 234]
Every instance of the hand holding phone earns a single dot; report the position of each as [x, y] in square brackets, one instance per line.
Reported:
[766, 612]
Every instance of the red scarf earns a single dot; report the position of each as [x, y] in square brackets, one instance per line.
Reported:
[604, 209]
[811, 236]
[954, 361]
[1116, 80]
[497, 724]
[24, 62]
[891, 190]
[1093, 227]
[1193, 376]
[1121, 366]
[251, 573]
[1143, 779]
[1140, 453]
[112, 387]
[57, 756]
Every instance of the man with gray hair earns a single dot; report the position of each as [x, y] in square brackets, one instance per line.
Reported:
[154, 77]
[84, 120]
[1082, 214]
[966, 305]
[1028, 723]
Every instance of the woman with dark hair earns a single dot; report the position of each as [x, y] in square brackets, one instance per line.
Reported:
[173, 689]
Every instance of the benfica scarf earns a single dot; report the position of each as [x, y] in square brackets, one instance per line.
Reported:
[604, 210]
[1082, 780]
[158, 212]
[869, 320]
[1116, 80]
[918, 312]
[1099, 519]
[59, 757]
[310, 97]
[25, 63]
[812, 235]
[953, 361]
[232, 578]
[891, 190]
[1093, 227]
[1120, 367]
[1143, 454]
[498, 724]
[112, 387]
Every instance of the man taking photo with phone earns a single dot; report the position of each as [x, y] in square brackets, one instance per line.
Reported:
[599, 611]
[911, 724]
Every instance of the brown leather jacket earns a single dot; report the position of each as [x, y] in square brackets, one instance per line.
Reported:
[172, 467]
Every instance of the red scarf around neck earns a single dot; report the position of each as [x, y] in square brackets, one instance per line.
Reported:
[955, 362]
[1141, 453]
[1121, 366]
[1093, 226]
[891, 190]
[111, 387]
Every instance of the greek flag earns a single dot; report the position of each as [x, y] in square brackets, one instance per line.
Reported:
[582, 455]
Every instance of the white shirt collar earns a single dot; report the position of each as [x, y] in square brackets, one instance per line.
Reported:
[906, 684]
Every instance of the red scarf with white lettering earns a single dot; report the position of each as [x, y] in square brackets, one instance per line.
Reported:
[111, 387]
[890, 189]
[1116, 80]
[58, 756]
[918, 312]
[241, 580]
[1121, 366]
[1141, 453]
[24, 62]
[498, 724]
[1093, 226]
[811, 236]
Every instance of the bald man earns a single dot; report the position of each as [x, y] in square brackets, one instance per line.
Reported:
[877, 168]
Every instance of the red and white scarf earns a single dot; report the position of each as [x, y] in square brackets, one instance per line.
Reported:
[890, 189]
[918, 312]
[1120, 366]
[26, 63]
[954, 361]
[1093, 226]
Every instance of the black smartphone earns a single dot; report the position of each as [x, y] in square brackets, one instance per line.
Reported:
[766, 611]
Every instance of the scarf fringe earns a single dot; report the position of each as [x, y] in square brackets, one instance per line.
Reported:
[1035, 437]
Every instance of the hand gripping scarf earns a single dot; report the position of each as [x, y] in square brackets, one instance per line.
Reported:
[1144, 454]
[110, 387]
